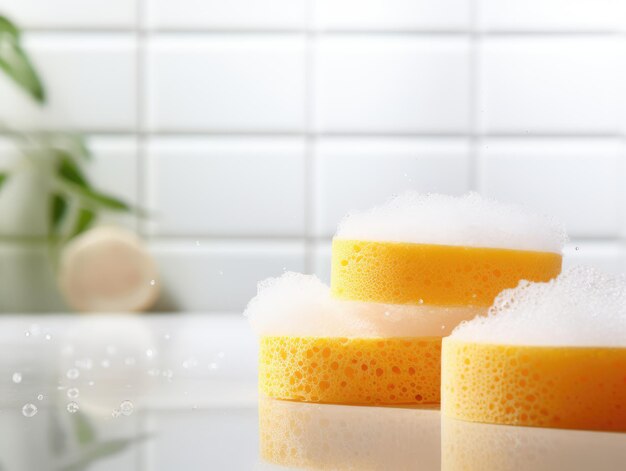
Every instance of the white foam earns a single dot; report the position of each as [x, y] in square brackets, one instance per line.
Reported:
[469, 220]
[582, 307]
[301, 305]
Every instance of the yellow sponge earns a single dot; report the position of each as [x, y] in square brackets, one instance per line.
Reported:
[351, 370]
[408, 273]
[563, 387]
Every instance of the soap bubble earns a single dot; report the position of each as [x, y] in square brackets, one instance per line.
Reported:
[581, 307]
[469, 220]
[17, 377]
[72, 407]
[72, 373]
[297, 304]
[127, 407]
[73, 393]
[29, 410]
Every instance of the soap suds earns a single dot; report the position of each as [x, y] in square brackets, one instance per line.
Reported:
[300, 305]
[470, 220]
[582, 307]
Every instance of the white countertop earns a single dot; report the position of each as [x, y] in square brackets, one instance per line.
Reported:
[191, 380]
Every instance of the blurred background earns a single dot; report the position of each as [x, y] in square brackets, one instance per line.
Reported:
[247, 128]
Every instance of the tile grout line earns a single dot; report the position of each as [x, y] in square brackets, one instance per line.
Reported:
[473, 177]
[141, 137]
[330, 134]
[437, 32]
[310, 141]
[144, 453]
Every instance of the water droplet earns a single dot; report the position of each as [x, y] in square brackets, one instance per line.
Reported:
[420, 301]
[149, 353]
[91, 383]
[73, 393]
[72, 407]
[387, 314]
[576, 248]
[48, 337]
[29, 410]
[129, 361]
[213, 366]
[167, 336]
[17, 377]
[72, 373]
[115, 413]
[40, 397]
[27, 334]
[443, 327]
[105, 363]
[126, 407]
[152, 282]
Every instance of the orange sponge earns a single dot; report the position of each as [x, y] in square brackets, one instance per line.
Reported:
[351, 370]
[564, 387]
[409, 273]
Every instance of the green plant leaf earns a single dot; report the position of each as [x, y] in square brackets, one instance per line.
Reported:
[85, 432]
[69, 171]
[16, 63]
[7, 27]
[58, 210]
[3, 178]
[70, 145]
[84, 220]
[78, 142]
[103, 200]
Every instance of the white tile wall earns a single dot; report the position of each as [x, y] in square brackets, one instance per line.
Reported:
[250, 127]
[392, 15]
[90, 82]
[200, 275]
[70, 14]
[237, 186]
[226, 83]
[231, 14]
[555, 85]
[353, 174]
[392, 84]
[578, 180]
[551, 15]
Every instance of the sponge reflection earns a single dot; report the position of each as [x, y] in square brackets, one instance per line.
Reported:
[337, 437]
[488, 447]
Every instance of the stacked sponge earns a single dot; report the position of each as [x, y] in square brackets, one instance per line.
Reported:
[548, 355]
[403, 276]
